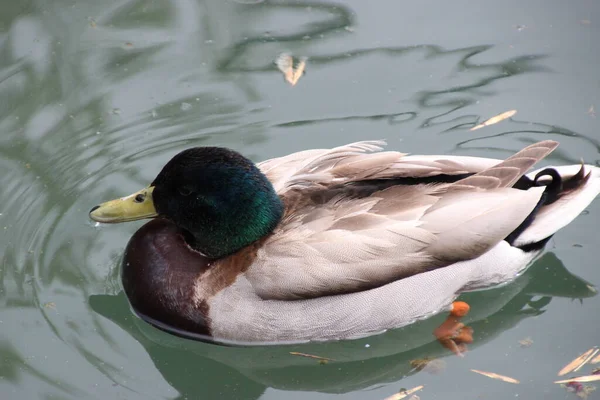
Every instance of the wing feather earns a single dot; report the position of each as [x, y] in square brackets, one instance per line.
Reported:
[344, 243]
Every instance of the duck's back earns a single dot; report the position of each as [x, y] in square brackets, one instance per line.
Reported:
[358, 220]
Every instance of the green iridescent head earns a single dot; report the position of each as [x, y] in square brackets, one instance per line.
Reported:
[220, 198]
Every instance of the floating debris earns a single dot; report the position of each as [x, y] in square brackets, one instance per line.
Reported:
[295, 353]
[527, 342]
[582, 379]
[578, 362]
[50, 304]
[591, 111]
[496, 376]
[587, 360]
[582, 391]
[404, 393]
[285, 63]
[92, 22]
[495, 120]
[431, 365]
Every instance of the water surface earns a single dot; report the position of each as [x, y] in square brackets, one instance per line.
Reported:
[97, 96]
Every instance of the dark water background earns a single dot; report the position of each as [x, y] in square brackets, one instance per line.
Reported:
[95, 96]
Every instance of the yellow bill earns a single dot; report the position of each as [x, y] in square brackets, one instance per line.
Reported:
[136, 206]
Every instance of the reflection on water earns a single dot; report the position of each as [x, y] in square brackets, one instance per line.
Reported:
[386, 359]
[98, 95]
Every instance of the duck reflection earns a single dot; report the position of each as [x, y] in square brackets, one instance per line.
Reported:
[201, 367]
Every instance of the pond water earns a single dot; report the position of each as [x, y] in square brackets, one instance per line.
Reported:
[97, 95]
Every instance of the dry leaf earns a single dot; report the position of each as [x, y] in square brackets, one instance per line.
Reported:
[576, 363]
[527, 342]
[587, 360]
[495, 120]
[285, 63]
[496, 376]
[430, 365]
[404, 393]
[295, 353]
[581, 379]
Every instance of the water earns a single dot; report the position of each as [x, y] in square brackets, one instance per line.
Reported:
[97, 96]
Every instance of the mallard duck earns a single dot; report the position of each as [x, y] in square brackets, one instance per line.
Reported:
[334, 243]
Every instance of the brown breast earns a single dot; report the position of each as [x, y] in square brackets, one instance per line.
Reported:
[159, 274]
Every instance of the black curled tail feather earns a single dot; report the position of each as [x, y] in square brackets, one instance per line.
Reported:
[555, 189]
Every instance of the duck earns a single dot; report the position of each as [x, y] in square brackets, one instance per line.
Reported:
[335, 244]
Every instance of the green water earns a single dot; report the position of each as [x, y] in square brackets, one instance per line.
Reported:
[97, 95]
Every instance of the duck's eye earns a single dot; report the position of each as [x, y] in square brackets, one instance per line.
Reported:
[140, 198]
[185, 191]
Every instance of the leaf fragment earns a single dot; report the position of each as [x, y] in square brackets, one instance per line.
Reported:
[527, 342]
[295, 353]
[587, 360]
[495, 119]
[431, 365]
[404, 393]
[493, 375]
[576, 363]
[581, 379]
[285, 63]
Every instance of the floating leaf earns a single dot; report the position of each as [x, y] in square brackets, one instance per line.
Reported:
[527, 342]
[431, 365]
[404, 393]
[576, 363]
[295, 353]
[591, 356]
[495, 120]
[581, 379]
[496, 376]
[285, 63]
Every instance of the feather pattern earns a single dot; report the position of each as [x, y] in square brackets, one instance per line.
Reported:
[342, 235]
